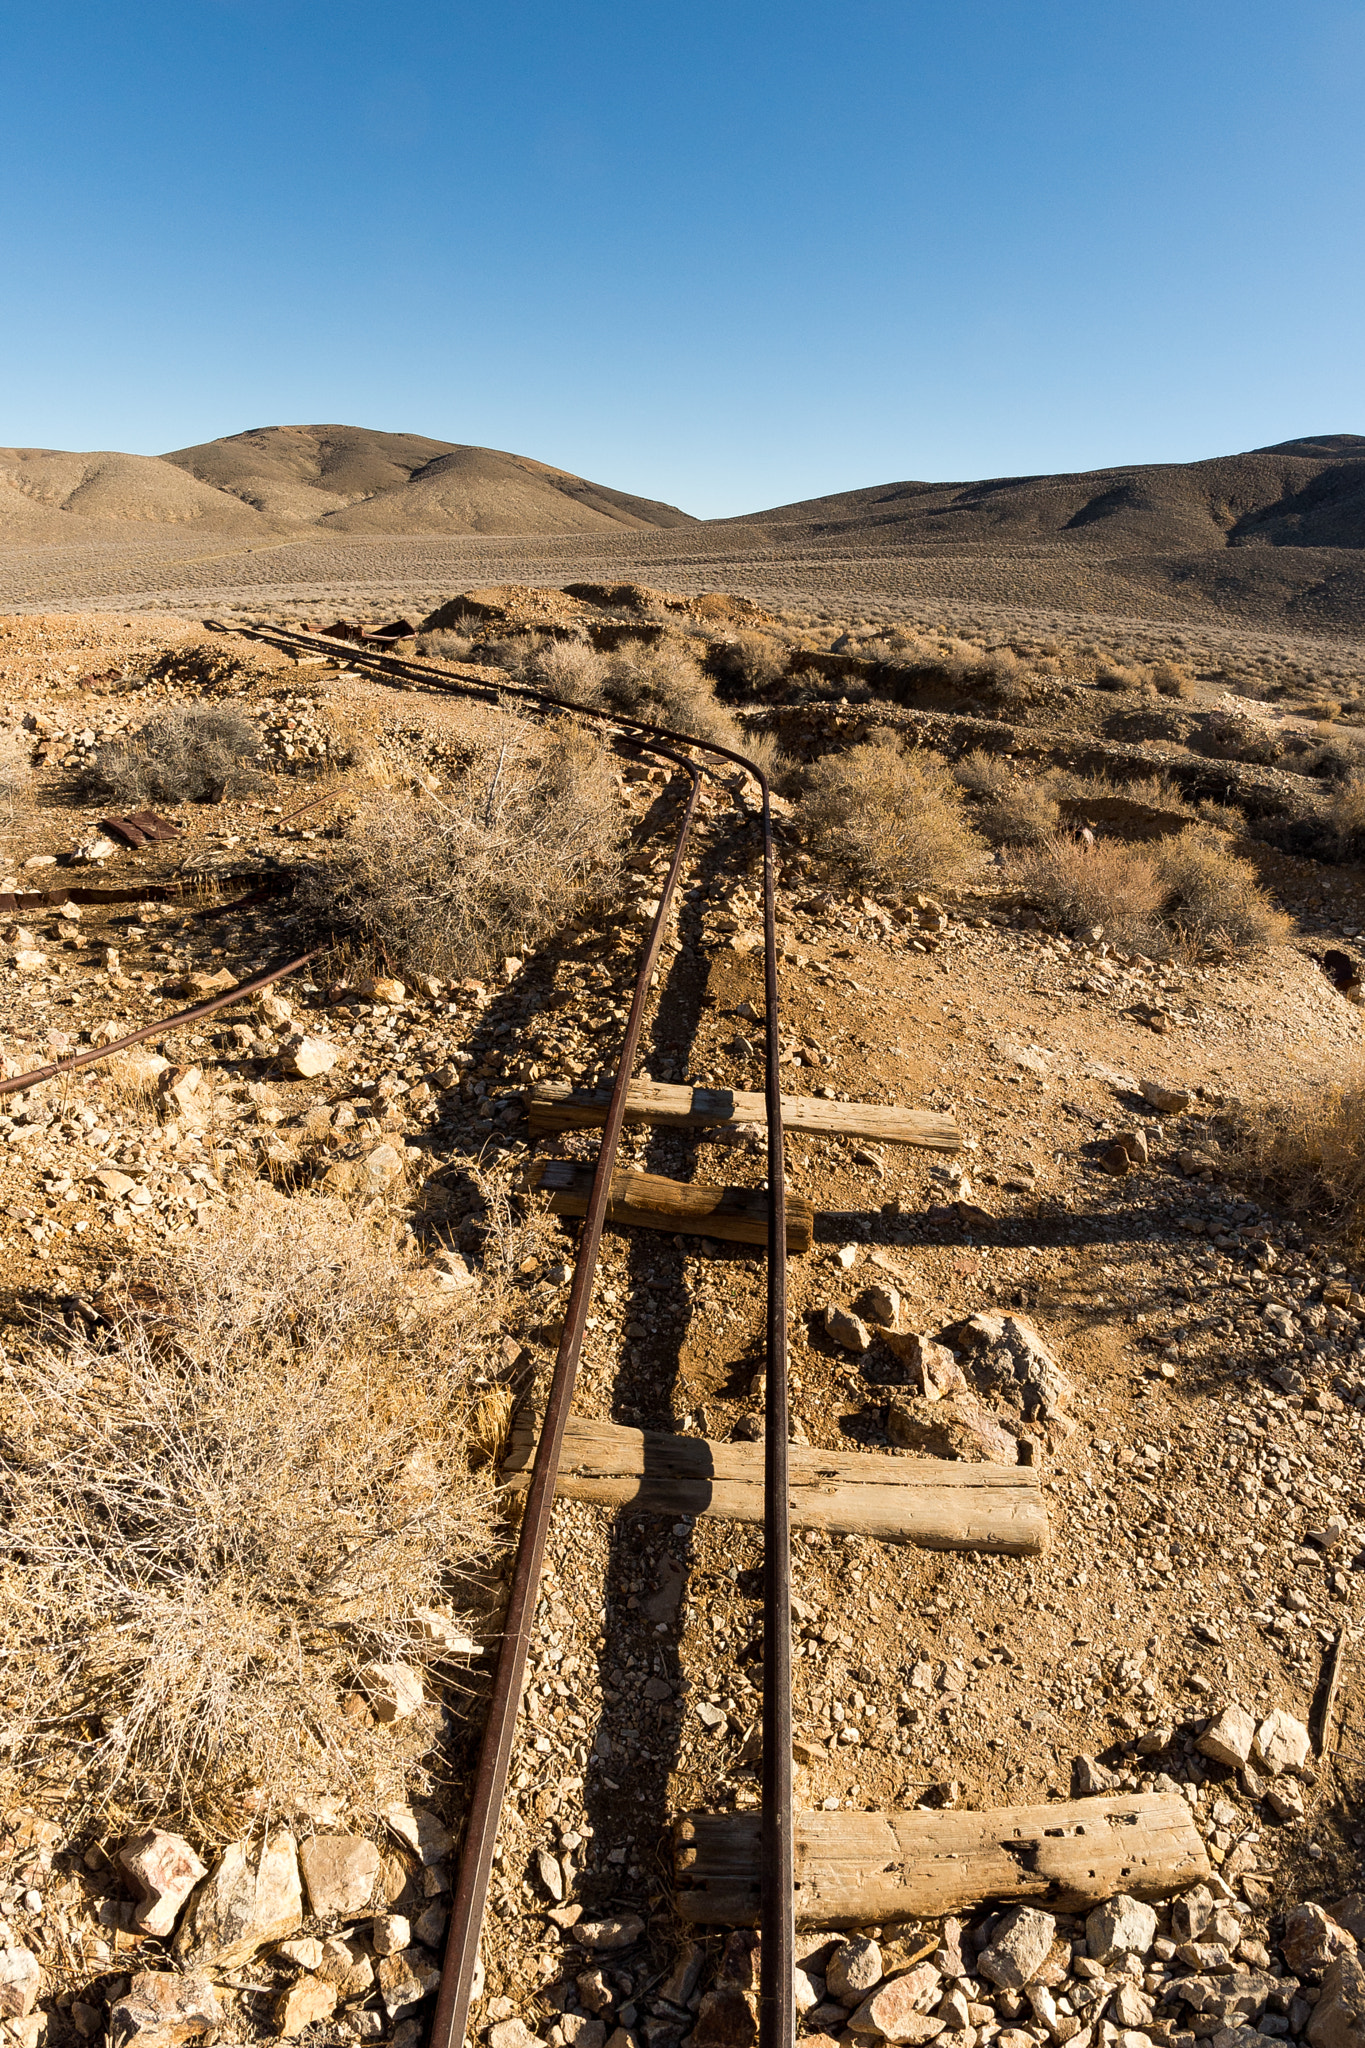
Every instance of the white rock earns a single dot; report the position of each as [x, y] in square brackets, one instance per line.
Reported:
[394, 1690]
[164, 1870]
[1229, 1736]
[308, 1056]
[20, 1977]
[1282, 1743]
[1121, 1926]
[251, 1899]
[854, 1969]
[389, 1932]
[1018, 1948]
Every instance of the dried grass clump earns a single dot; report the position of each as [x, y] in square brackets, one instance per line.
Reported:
[182, 755]
[1311, 1153]
[889, 817]
[662, 685]
[450, 884]
[753, 660]
[1017, 809]
[1171, 680]
[571, 669]
[1347, 815]
[220, 1508]
[1108, 885]
[1189, 889]
[1214, 898]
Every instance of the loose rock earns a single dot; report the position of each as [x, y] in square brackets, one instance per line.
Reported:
[163, 1869]
[1121, 1926]
[306, 2000]
[160, 2009]
[249, 1899]
[1018, 1947]
[340, 1872]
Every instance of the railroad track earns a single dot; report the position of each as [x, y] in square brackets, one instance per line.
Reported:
[777, 2009]
[843, 1868]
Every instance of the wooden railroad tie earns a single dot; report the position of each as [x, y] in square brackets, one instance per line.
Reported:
[935, 1503]
[738, 1215]
[555, 1106]
[856, 1868]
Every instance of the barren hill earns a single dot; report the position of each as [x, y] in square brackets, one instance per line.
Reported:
[1308, 493]
[276, 480]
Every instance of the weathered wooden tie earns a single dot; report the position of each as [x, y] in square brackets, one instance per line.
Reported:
[935, 1503]
[555, 1106]
[856, 1868]
[737, 1215]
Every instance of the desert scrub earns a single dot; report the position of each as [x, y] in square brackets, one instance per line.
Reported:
[663, 685]
[1106, 886]
[891, 818]
[1310, 1151]
[1213, 897]
[182, 755]
[1347, 816]
[223, 1504]
[449, 884]
[1187, 889]
[1018, 809]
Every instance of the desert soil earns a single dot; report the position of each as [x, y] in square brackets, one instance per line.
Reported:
[1204, 1490]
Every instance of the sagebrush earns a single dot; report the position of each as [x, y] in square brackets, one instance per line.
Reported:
[888, 816]
[223, 1503]
[182, 755]
[450, 883]
[1311, 1153]
[1188, 889]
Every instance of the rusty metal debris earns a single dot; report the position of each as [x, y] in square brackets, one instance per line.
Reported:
[194, 1015]
[143, 828]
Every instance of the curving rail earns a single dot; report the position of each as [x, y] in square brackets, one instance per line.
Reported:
[777, 2009]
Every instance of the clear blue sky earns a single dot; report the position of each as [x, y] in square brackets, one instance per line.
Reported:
[727, 255]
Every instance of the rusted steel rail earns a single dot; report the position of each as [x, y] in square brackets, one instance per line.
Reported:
[777, 2009]
[181, 1018]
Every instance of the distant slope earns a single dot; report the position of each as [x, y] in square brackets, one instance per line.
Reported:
[44, 490]
[1308, 493]
[356, 480]
[303, 473]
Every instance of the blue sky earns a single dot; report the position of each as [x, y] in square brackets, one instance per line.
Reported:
[723, 255]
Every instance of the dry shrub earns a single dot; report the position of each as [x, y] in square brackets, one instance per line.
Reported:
[1022, 814]
[890, 817]
[1109, 885]
[1212, 896]
[661, 684]
[571, 669]
[1347, 815]
[182, 755]
[445, 645]
[751, 659]
[1172, 681]
[222, 1505]
[1119, 675]
[1311, 1153]
[1189, 888]
[449, 885]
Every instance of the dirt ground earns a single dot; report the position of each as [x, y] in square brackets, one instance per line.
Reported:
[1204, 1492]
